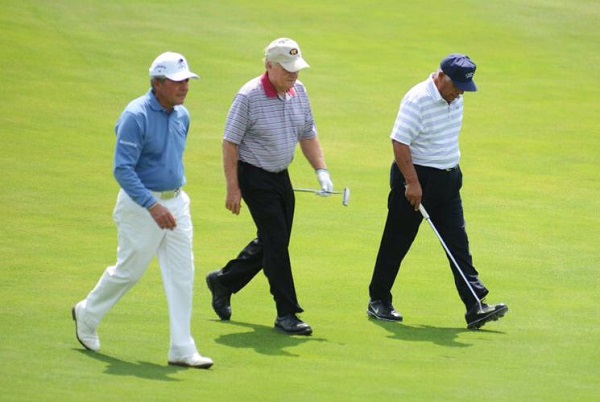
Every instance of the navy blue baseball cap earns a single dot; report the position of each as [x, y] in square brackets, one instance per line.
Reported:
[460, 69]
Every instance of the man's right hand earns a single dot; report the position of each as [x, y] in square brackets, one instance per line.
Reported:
[414, 194]
[233, 201]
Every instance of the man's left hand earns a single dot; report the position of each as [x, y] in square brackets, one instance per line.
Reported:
[325, 182]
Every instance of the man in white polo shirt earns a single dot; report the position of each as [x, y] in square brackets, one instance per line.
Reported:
[425, 144]
[269, 116]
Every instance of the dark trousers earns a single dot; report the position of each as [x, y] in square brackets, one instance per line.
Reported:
[441, 198]
[270, 199]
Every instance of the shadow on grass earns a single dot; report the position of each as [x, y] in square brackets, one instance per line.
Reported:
[263, 339]
[146, 370]
[424, 333]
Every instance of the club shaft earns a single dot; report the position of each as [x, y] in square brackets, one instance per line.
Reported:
[345, 197]
[428, 219]
[309, 190]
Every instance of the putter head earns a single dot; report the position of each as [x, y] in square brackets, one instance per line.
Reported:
[346, 197]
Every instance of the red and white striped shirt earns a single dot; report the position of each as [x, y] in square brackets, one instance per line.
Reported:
[266, 127]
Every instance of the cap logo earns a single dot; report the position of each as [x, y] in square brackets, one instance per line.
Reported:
[181, 64]
[294, 52]
[469, 75]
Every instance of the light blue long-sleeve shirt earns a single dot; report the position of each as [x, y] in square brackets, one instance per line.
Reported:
[149, 148]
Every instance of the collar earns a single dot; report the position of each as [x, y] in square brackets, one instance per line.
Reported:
[155, 105]
[270, 90]
[435, 93]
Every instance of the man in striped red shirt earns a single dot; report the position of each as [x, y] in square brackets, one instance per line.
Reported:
[269, 116]
[426, 169]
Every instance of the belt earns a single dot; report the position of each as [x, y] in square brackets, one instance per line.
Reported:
[453, 168]
[167, 195]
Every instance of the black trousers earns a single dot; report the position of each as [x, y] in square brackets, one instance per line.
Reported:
[270, 199]
[441, 198]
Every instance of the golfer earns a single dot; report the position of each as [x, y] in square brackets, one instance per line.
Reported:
[152, 212]
[426, 170]
[268, 117]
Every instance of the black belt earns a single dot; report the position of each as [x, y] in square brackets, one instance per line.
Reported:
[251, 166]
[453, 168]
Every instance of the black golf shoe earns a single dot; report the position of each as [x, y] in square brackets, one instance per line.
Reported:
[383, 311]
[221, 296]
[292, 325]
[477, 317]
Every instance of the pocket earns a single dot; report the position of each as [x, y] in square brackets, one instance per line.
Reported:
[396, 177]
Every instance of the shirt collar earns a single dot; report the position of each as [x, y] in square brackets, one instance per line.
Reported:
[435, 93]
[270, 90]
[154, 103]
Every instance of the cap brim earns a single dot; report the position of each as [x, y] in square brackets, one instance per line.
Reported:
[294, 66]
[182, 76]
[465, 86]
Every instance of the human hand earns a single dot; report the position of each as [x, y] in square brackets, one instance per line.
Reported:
[162, 216]
[325, 182]
[414, 194]
[233, 200]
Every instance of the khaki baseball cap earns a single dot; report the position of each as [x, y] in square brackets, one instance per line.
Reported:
[287, 53]
[171, 65]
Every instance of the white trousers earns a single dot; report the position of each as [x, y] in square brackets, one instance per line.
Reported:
[139, 240]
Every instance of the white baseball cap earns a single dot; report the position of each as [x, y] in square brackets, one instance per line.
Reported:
[287, 53]
[171, 65]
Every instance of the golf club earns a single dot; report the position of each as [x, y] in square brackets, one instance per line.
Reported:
[428, 219]
[345, 198]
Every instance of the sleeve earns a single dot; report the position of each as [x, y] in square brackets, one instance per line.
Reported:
[310, 129]
[237, 119]
[408, 123]
[128, 148]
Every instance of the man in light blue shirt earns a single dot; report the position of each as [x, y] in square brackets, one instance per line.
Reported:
[152, 213]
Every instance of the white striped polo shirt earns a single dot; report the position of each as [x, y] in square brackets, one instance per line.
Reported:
[429, 126]
[267, 128]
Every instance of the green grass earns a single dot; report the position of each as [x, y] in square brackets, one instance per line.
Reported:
[530, 156]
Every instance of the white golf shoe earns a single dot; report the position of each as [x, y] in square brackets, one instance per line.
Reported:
[86, 335]
[193, 361]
